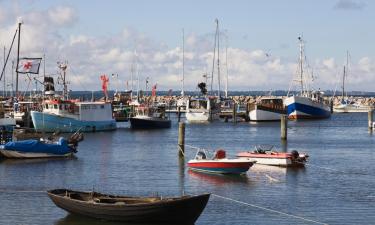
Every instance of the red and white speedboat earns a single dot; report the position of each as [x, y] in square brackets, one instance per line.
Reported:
[266, 156]
[219, 163]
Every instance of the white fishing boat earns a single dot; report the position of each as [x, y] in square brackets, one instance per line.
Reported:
[308, 104]
[202, 109]
[268, 108]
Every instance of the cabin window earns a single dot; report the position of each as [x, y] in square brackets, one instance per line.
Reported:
[66, 107]
[93, 106]
[60, 107]
[55, 106]
[102, 106]
[46, 106]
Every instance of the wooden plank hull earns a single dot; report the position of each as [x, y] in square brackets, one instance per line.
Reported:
[184, 210]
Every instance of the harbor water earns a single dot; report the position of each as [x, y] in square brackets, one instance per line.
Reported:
[336, 186]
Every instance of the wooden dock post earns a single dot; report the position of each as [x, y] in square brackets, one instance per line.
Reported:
[247, 117]
[284, 127]
[370, 118]
[181, 139]
[234, 116]
[179, 113]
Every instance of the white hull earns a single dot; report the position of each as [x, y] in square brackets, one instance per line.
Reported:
[262, 115]
[273, 161]
[350, 108]
[27, 155]
[200, 116]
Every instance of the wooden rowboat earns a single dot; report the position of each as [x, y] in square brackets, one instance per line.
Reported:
[167, 210]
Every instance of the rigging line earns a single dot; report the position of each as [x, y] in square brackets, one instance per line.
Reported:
[10, 49]
[74, 74]
[269, 210]
[19, 191]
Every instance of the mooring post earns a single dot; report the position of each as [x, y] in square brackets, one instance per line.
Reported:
[370, 118]
[179, 113]
[247, 117]
[234, 113]
[284, 127]
[181, 139]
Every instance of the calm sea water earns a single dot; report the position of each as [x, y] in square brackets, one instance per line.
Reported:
[337, 187]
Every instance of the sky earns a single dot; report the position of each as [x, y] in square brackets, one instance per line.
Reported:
[258, 42]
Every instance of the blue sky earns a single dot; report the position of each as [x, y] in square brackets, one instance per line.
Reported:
[330, 28]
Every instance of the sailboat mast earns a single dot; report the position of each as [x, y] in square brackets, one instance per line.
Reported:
[218, 56]
[213, 60]
[301, 63]
[18, 54]
[226, 65]
[4, 92]
[183, 63]
[343, 84]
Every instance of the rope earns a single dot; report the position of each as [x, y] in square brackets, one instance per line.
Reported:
[20, 191]
[180, 149]
[270, 210]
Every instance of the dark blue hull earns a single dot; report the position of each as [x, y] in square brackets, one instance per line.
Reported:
[149, 123]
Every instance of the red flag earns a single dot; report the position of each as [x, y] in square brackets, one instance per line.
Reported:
[154, 90]
[105, 82]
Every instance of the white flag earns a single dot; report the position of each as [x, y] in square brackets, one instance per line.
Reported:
[29, 65]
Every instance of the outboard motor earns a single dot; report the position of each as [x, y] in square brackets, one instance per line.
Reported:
[295, 154]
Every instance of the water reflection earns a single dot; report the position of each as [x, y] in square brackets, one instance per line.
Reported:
[72, 219]
[218, 179]
[7, 161]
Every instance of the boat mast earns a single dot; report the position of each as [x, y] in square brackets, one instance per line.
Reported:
[226, 65]
[218, 56]
[213, 60]
[18, 54]
[183, 63]
[347, 67]
[4, 92]
[343, 84]
[301, 63]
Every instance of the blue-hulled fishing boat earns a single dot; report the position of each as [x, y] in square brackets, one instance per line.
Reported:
[308, 104]
[68, 116]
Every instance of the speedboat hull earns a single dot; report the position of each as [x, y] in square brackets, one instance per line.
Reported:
[305, 108]
[222, 166]
[30, 155]
[275, 158]
[36, 149]
[48, 122]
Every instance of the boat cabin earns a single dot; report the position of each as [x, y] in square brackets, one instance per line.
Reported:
[89, 111]
[149, 111]
[203, 104]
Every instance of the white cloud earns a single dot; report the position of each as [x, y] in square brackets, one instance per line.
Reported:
[349, 5]
[62, 15]
[89, 56]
